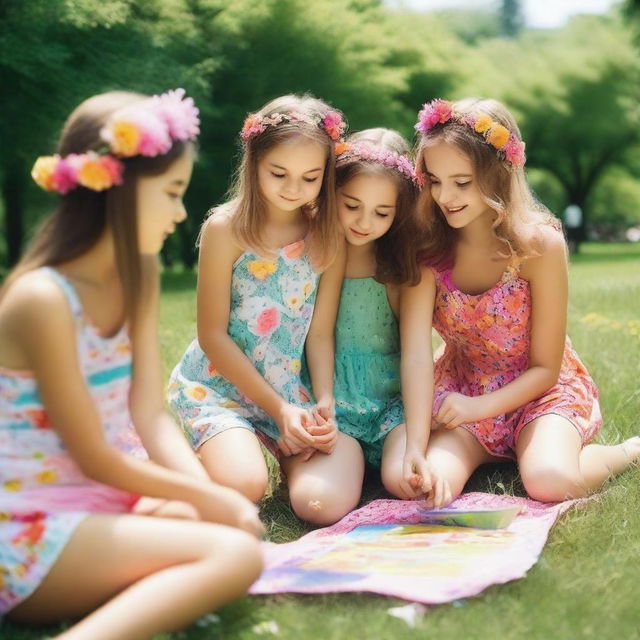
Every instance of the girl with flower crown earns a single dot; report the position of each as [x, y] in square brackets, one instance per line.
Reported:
[376, 197]
[81, 393]
[270, 270]
[509, 384]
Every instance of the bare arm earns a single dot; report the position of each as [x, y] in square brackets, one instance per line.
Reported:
[162, 438]
[320, 343]
[416, 372]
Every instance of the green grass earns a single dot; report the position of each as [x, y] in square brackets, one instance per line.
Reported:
[587, 582]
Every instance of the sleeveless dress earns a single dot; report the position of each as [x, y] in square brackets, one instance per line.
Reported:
[487, 340]
[272, 302]
[43, 493]
[367, 369]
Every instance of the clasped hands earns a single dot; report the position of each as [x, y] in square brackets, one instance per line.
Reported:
[305, 431]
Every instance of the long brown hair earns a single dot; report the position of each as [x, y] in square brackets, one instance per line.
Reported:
[396, 251]
[82, 215]
[246, 205]
[503, 187]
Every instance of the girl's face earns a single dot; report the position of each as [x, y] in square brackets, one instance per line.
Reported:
[367, 207]
[453, 185]
[290, 174]
[159, 202]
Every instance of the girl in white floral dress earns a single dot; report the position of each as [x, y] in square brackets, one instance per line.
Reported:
[81, 397]
[270, 271]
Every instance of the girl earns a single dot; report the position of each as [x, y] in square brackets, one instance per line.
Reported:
[79, 362]
[509, 384]
[376, 194]
[259, 293]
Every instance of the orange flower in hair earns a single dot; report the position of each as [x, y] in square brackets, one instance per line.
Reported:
[483, 122]
[498, 136]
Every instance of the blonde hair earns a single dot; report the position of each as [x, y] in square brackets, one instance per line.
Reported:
[246, 205]
[82, 215]
[396, 251]
[503, 187]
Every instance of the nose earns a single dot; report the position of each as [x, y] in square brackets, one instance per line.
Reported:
[291, 186]
[182, 214]
[364, 221]
[445, 195]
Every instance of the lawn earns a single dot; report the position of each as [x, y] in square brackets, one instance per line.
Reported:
[587, 582]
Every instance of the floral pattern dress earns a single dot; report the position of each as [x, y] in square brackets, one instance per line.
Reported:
[487, 346]
[43, 493]
[272, 301]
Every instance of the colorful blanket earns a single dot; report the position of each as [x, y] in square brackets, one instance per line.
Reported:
[389, 547]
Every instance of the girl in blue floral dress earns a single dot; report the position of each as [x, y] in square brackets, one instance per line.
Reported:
[88, 456]
[270, 269]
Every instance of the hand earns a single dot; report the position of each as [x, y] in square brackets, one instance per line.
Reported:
[292, 422]
[324, 430]
[457, 409]
[420, 479]
[230, 507]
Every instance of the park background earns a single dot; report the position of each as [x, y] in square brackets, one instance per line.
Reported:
[575, 91]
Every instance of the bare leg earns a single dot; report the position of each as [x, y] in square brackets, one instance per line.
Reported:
[161, 508]
[391, 467]
[454, 454]
[141, 576]
[234, 459]
[555, 466]
[324, 489]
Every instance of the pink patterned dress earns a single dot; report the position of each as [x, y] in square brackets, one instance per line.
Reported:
[43, 493]
[487, 346]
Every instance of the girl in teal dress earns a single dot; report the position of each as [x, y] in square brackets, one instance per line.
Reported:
[376, 193]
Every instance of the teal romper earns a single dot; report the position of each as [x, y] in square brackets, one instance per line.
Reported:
[367, 373]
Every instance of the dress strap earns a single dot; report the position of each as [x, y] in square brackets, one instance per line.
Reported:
[69, 290]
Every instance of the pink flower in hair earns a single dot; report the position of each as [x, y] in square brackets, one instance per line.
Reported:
[65, 174]
[333, 125]
[179, 113]
[514, 151]
[114, 168]
[252, 126]
[433, 113]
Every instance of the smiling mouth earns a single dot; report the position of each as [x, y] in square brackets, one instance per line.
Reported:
[455, 209]
[358, 233]
[289, 199]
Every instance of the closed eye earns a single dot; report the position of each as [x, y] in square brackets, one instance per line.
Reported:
[310, 179]
[463, 184]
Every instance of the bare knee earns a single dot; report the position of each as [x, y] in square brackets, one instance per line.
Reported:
[322, 504]
[392, 482]
[250, 483]
[237, 554]
[550, 484]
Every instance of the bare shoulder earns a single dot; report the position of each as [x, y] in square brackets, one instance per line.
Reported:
[552, 253]
[33, 299]
[34, 313]
[217, 236]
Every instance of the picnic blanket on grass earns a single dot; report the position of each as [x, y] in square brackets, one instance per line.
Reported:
[384, 548]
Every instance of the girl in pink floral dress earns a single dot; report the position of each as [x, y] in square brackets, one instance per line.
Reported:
[81, 393]
[509, 384]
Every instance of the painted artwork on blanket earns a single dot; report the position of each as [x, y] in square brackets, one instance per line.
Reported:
[386, 547]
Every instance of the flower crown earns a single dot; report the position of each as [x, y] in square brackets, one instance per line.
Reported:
[331, 122]
[350, 152]
[506, 142]
[148, 128]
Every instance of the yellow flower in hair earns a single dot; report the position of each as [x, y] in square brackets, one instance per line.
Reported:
[498, 136]
[262, 269]
[42, 172]
[95, 176]
[482, 123]
[126, 137]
